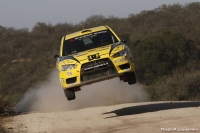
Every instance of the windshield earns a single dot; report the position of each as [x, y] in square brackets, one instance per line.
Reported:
[88, 41]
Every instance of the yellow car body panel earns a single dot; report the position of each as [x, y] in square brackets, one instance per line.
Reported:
[104, 56]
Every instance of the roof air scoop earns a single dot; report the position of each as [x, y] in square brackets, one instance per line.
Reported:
[84, 31]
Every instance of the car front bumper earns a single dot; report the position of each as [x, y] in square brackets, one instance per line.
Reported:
[88, 74]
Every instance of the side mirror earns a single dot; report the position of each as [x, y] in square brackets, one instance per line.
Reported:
[124, 41]
[56, 56]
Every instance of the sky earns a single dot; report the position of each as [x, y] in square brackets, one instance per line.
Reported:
[26, 13]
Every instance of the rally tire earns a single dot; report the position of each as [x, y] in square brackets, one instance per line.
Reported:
[131, 78]
[70, 94]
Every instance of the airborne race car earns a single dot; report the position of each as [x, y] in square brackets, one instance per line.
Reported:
[93, 55]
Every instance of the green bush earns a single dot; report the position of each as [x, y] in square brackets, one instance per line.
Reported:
[158, 55]
[177, 87]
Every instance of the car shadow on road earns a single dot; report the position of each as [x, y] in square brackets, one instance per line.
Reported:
[152, 108]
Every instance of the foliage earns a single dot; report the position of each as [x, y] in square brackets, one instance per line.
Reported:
[176, 87]
[159, 55]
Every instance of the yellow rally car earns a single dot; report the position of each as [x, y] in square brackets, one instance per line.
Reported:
[93, 55]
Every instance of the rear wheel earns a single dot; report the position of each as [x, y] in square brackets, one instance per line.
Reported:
[131, 78]
[70, 94]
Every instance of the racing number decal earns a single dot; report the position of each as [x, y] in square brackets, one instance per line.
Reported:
[94, 56]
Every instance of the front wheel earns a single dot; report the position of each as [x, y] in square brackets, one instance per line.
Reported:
[70, 94]
[131, 78]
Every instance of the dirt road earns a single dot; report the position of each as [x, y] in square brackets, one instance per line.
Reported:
[126, 118]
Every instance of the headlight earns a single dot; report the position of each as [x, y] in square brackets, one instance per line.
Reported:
[68, 67]
[121, 53]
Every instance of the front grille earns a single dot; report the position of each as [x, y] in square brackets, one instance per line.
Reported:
[98, 74]
[96, 69]
[96, 65]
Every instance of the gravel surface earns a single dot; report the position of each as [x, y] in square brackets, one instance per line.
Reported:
[151, 117]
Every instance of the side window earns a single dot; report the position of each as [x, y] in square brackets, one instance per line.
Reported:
[66, 48]
[114, 39]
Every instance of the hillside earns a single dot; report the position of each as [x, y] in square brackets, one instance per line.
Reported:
[165, 43]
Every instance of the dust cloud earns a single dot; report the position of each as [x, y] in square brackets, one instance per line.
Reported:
[49, 96]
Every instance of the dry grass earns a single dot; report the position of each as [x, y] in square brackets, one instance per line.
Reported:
[2, 130]
[21, 60]
[6, 124]
[6, 110]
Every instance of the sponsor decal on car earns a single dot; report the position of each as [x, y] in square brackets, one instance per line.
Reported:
[62, 80]
[96, 65]
[94, 56]
[69, 73]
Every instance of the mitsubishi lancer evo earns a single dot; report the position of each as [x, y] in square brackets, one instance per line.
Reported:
[93, 55]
